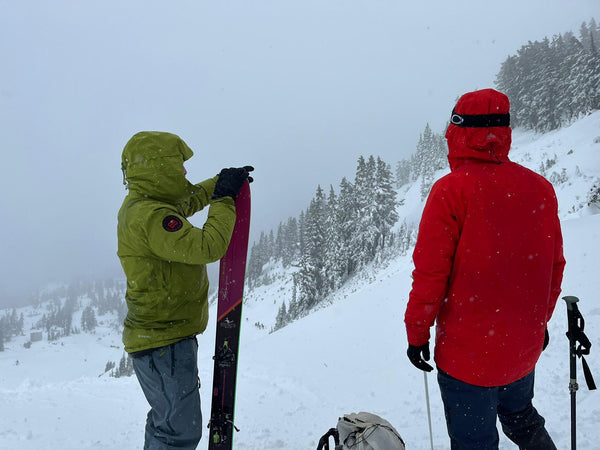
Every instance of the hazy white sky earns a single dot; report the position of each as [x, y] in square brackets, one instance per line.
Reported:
[299, 89]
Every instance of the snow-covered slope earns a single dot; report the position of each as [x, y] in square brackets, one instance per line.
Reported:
[347, 356]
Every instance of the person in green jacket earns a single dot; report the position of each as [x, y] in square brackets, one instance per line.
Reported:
[164, 258]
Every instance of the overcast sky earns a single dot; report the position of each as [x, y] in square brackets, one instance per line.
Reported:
[297, 88]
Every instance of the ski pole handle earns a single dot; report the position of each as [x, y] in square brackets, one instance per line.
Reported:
[571, 315]
[570, 299]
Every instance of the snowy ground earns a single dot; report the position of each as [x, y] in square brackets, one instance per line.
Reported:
[348, 356]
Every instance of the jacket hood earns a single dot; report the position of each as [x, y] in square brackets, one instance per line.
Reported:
[491, 143]
[152, 163]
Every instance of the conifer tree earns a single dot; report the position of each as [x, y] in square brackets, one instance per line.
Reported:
[260, 254]
[279, 242]
[365, 236]
[301, 234]
[88, 319]
[293, 311]
[427, 169]
[384, 214]
[254, 264]
[403, 172]
[332, 243]
[281, 319]
[291, 245]
[270, 249]
[346, 256]
[416, 161]
[311, 274]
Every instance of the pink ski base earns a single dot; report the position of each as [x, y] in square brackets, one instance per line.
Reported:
[233, 264]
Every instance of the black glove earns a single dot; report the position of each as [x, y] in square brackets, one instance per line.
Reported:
[546, 339]
[414, 354]
[231, 181]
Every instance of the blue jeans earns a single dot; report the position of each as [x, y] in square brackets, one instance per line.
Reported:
[169, 378]
[471, 413]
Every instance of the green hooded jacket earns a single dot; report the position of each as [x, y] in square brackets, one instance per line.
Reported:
[162, 254]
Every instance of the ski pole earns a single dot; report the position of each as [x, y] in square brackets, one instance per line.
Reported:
[579, 345]
[428, 408]
[573, 386]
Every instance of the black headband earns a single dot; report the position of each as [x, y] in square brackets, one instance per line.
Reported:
[480, 120]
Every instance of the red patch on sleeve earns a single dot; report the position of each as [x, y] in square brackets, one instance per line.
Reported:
[172, 223]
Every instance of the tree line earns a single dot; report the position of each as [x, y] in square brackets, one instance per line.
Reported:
[124, 369]
[338, 234]
[11, 324]
[61, 304]
[341, 232]
[105, 296]
[355, 221]
[552, 82]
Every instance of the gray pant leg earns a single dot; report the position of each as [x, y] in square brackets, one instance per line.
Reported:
[169, 379]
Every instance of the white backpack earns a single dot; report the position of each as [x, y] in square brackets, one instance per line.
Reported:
[363, 431]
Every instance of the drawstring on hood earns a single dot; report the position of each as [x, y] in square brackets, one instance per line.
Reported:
[493, 155]
[479, 128]
[124, 170]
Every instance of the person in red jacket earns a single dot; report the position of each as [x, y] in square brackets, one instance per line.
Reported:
[488, 269]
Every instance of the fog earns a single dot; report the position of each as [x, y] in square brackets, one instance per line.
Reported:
[298, 89]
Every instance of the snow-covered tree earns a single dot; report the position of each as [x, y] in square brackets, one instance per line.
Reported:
[333, 236]
[291, 246]
[88, 319]
[593, 197]
[364, 239]
[552, 82]
[384, 213]
[282, 317]
[311, 280]
[403, 172]
[346, 256]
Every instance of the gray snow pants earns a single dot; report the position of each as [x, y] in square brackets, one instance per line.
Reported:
[169, 378]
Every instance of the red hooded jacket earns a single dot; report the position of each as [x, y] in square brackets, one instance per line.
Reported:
[488, 259]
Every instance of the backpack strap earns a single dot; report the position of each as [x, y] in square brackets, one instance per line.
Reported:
[324, 441]
[577, 335]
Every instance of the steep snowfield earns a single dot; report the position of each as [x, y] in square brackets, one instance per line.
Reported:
[347, 356]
